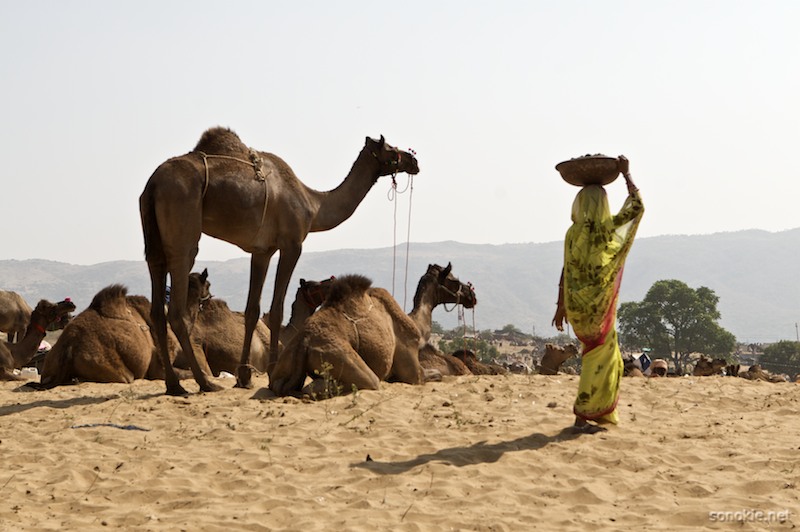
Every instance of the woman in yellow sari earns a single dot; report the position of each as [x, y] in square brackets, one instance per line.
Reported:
[595, 249]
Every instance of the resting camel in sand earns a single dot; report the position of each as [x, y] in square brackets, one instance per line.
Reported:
[361, 336]
[17, 355]
[111, 341]
[475, 366]
[757, 373]
[15, 315]
[431, 358]
[251, 199]
[554, 356]
[706, 367]
[220, 331]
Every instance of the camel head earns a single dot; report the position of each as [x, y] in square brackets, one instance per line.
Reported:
[47, 313]
[199, 287]
[450, 289]
[314, 293]
[63, 320]
[391, 159]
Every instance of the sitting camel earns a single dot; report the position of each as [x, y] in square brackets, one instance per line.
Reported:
[15, 315]
[17, 355]
[554, 356]
[475, 366]
[706, 367]
[220, 331]
[757, 373]
[732, 370]
[112, 340]
[361, 336]
[433, 360]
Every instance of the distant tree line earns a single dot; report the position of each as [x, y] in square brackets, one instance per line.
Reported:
[674, 321]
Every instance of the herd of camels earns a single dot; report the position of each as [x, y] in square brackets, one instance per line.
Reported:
[341, 330]
[343, 334]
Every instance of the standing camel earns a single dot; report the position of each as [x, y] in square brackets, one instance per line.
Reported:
[16, 355]
[251, 199]
[15, 314]
[361, 336]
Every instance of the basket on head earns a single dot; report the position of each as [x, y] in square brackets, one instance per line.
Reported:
[595, 169]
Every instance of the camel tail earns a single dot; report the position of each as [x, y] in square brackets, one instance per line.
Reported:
[153, 246]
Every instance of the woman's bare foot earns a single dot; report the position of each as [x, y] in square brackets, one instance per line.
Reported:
[582, 426]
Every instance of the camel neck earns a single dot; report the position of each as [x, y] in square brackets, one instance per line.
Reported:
[424, 303]
[24, 350]
[337, 205]
[300, 313]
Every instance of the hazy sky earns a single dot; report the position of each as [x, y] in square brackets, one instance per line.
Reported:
[702, 96]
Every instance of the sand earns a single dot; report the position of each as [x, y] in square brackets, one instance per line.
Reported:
[470, 453]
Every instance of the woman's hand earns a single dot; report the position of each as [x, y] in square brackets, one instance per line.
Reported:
[560, 317]
[624, 166]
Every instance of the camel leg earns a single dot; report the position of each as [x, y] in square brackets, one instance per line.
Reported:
[259, 263]
[289, 372]
[8, 375]
[179, 321]
[158, 279]
[347, 369]
[405, 366]
[286, 265]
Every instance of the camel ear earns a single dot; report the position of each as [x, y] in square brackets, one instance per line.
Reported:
[302, 283]
[382, 141]
[204, 275]
[447, 270]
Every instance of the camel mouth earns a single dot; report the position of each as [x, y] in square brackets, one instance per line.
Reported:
[470, 300]
[409, 163]
[66, 306]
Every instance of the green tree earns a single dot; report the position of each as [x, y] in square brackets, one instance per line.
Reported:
[436, 327]
[676, 321]
[782, 357]
[512, 329]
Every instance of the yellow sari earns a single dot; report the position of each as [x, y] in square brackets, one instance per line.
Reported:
[595, 249]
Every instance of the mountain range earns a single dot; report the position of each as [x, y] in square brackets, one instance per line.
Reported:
[753, 272]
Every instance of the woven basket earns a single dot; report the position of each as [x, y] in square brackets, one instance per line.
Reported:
[589, 170]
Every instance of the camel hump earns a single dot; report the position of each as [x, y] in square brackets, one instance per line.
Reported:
[220, 141]
[110, 301]
[141, 305]
[347, 286]
[215, 304]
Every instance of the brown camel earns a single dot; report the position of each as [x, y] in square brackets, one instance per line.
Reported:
[706, 367]
[17, 355]
[112, 340]
[361, 336]
[554, 356]
[432, 359]
[15, 315]
[477, 367]
[307, 300]
[220, 331]
[251, 199]
[757, 373]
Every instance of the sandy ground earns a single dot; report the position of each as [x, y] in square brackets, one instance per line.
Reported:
[469, 453]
